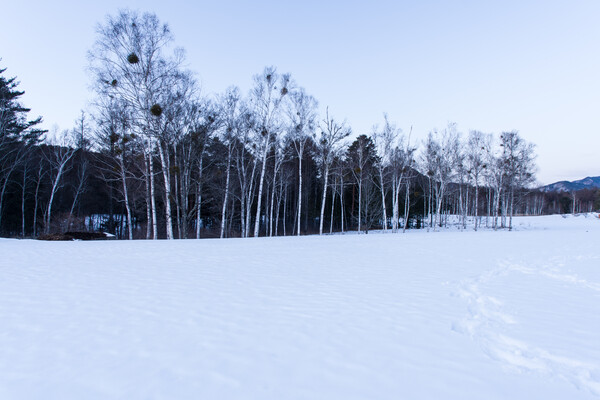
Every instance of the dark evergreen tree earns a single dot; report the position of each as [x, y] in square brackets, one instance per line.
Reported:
[17, 133]
[362, 157]
[14, 126]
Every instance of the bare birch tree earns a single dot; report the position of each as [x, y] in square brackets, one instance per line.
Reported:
[58, 157]
[266, 97]
[329, 144]
[384, 141]
[477, 145]
[128, 63]
[519, 168]
[302, 116]
[115, 138]
[231, 108]
[438, 158]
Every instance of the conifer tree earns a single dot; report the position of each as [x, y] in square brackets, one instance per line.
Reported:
[16, 132]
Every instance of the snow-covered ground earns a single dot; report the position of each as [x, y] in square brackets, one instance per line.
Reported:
[438, 315]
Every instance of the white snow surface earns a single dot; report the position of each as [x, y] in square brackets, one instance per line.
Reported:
[438, 315]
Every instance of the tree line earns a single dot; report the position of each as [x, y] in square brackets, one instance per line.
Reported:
[156, 159]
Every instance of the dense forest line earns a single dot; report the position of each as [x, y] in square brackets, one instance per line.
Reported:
[154, 159]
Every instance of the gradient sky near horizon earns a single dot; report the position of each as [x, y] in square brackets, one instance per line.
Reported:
[533, 66]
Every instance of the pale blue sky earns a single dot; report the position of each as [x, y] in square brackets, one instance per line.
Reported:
[533, 66]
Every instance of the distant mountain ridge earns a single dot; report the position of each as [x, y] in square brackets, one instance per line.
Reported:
[567, 186]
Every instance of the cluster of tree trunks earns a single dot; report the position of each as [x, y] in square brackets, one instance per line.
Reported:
[155, 159]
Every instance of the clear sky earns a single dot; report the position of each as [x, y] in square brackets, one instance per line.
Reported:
[533, 66]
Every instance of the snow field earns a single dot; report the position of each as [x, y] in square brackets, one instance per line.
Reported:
[438, 315]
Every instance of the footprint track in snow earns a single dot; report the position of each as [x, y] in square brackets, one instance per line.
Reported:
[486, 320]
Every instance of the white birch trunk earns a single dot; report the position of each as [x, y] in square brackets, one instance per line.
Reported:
[23, 193]
[250, 200]
[167, 183]
[153, 198]
[53, 193]
[36, 200]
[406, 206]
[223, 211]
[199, 197]
[395, 207]
[333, 191]
[148, 206]
[460, 206]
[285, 194]
[383, 199]
[272, 203]
[359, 202]
[496, 208]
[325, 179]
[279, 197]
[342, 203]
[476, 203]
[126, 198]
[299, 191]
[260, 186]
[512, 202]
